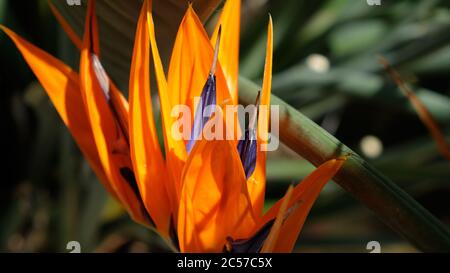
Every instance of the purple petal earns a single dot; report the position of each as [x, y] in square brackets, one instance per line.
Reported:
[203, 112]
[251, 245]
[247, 151]
[247, 147]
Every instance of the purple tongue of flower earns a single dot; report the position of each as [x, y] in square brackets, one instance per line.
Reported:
[247, 147]
[204, 110]
[205, 107]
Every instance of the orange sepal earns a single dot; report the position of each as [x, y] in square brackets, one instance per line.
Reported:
[109, 137]
[146, 154]
[214, 201]
[274, 233]
[230, 22]
[62, 86]
[190, 64]
[257, 181]
[303, 198]
[176, 155]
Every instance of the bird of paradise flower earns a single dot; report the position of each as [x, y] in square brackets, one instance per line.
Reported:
[204, 195]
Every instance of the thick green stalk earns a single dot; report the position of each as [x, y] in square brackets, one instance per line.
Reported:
[389, 202]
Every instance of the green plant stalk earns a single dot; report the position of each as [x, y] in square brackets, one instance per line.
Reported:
[389, 202]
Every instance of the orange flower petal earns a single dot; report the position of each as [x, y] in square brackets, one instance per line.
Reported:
[190, 64]
[109, 133]
[257, 181]
[272, 238]
[176, 155]
[62, 86]
[230, 22]
[146, 154]
[117, 99]
[303, 197]
[214, 200]
[120, 104]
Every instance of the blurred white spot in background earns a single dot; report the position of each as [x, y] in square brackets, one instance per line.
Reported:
[371, 146]
[318, 63]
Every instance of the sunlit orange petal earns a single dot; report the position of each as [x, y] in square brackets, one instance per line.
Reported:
[62, 86]
[176, 155]
[303, 197]
[230, 22]
[320, 175]
[110, 139]
[190, 64]
[117, 98]
[293, 224]
[257, 181]
[272, 238]
[146, 154]
[120, 104]
[214, 201]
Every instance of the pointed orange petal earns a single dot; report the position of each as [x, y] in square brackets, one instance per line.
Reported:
[120, 104]
[230, 22]
[62, 86]
[214, 201]
[76, 40]
[190, 64]
[176, 155]
[117, 97]
[303, 197]
[146, 154]
[320, 175]
[118, 101]
[257, 181]
[272, 238]
[109, 135]
[292, 226]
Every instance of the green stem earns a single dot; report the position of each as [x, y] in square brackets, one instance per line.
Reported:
[389, 202]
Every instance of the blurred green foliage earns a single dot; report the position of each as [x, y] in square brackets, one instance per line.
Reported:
[325, 65]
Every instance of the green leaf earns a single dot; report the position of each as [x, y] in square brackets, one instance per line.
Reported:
[362, 34]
